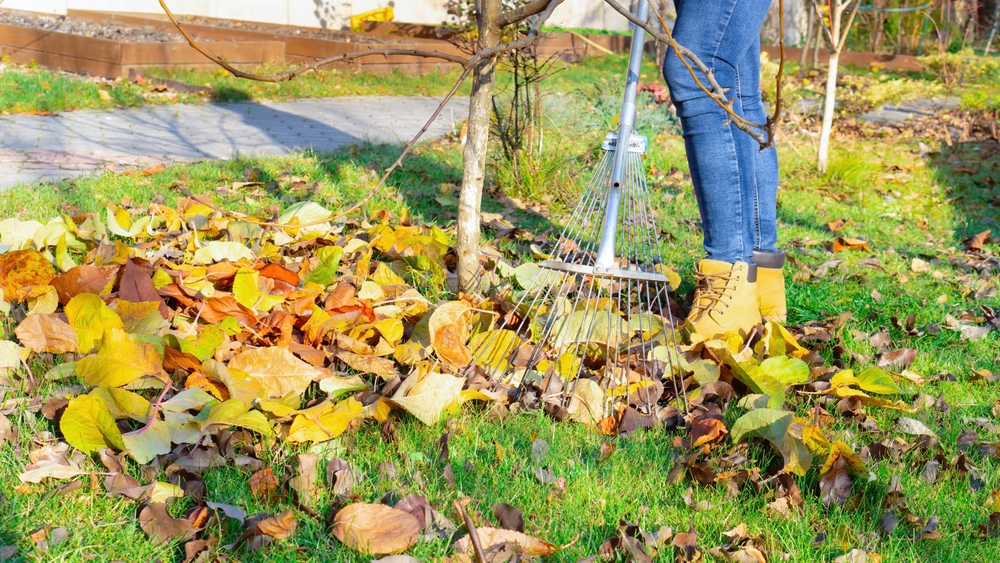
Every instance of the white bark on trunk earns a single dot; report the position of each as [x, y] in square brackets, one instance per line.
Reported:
[830, 105]
[474, 158]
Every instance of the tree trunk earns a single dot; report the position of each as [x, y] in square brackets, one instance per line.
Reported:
[828, 108]
[474, 157]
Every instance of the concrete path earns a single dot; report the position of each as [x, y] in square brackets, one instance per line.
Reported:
[909, 110]
[55, 147]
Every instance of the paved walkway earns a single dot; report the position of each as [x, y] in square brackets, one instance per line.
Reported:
[36, 147]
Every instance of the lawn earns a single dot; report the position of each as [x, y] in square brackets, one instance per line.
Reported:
[33, 89]
[914, 197]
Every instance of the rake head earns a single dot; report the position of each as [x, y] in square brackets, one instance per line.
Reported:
[595, 337]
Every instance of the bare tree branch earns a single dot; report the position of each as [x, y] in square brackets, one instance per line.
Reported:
[315, 65]
[850, 22]
[763, 133]
[822, 24]
[522, 12]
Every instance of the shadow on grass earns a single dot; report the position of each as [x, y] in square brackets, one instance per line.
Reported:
[970, 172]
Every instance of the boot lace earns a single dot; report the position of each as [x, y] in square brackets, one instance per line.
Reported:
[710, 291]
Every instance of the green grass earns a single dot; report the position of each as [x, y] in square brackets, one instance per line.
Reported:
[905, 206]
[28, 88]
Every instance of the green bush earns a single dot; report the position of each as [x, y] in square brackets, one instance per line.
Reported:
[859, 94]
[964, 66]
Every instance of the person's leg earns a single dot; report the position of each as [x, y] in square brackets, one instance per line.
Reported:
[768, 259]
[765, 162]
[722, 158]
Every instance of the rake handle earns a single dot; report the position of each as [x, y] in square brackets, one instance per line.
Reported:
[605, 260]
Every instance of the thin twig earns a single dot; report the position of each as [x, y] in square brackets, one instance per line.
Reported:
[763, 133]
[477, 545]
[315, 65]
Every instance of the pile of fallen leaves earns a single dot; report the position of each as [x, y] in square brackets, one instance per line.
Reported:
[187, 338]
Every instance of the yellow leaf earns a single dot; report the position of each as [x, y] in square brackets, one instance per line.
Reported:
[44, 304]
[119, 361]
[247, 293]
[276, 369]
[449, 330]
[429, 396]
[324, 421]
[379, 410]
[840, 450]
[382, 367]
[587, 402]
[494, 349]
[218, 251]
[90, 317]
[88, 425]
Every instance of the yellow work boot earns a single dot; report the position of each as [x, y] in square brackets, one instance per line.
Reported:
[725, 299]
[771, 285]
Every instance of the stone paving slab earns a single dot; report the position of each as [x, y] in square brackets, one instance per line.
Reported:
[34, 147]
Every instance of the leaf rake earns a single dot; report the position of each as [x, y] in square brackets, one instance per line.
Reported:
[594, 329]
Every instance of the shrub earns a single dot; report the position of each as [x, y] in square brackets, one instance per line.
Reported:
[859, 94]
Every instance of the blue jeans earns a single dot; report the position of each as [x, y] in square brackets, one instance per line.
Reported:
[735, 183]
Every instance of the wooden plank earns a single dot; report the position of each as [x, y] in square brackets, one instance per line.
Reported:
[59, 61]
[58, 43]
[168, 54]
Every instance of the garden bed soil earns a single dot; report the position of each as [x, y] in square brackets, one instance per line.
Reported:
[111, 49]
[113, 31]
[302, 45]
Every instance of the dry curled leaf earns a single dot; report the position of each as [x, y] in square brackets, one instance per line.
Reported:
[376, 529]
[449, 330]
[532, 547]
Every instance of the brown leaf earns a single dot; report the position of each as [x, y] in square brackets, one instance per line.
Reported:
[708, 430]
[845, 243]
[84, 279]
[836, 225]
[687, 545]
[264, 484]
[880, 340]
[137, 287]
[304, 484]
[216, 310]
[509, 517]
[897, 359]
[929, 531]
[992, 528]
[340, 477]
[162, 527]
[375, 529]
[262, 529]
[836, 484]
[47, 333]
[532, 547]
[280, 273]
[976, 242]
[24, 274]
[417, 506]
[278, 527]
